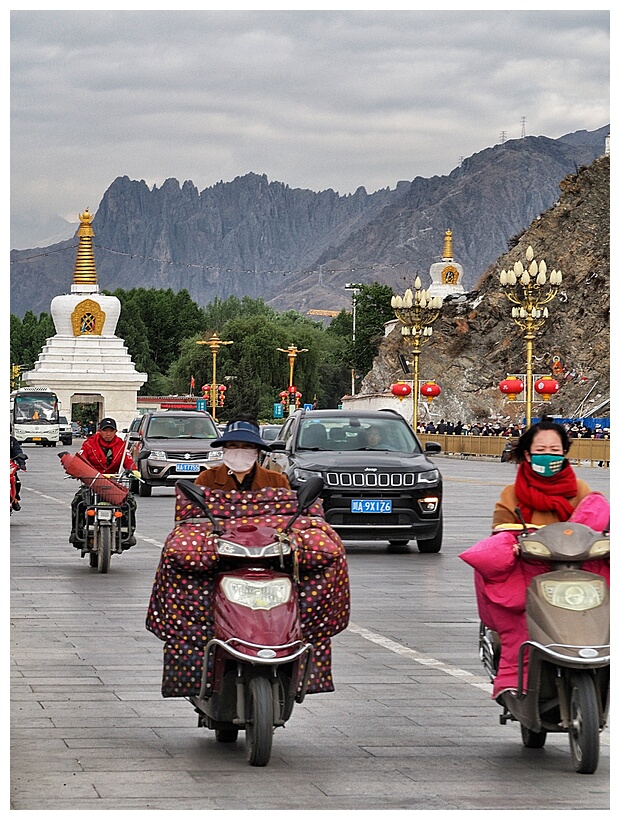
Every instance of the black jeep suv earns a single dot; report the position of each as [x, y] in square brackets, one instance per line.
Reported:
[379, 485]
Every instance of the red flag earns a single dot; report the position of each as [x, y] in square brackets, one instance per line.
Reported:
[192, 383]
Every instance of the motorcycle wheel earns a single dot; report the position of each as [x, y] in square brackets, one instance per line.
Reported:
[259, 724]
[104, 553]
[584, 724]
[226, 735]
[533, 740]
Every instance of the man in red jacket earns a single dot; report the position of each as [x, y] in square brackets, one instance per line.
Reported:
[104, 451]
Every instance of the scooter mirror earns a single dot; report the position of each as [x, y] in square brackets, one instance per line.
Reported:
[309, 492]
[196, 494]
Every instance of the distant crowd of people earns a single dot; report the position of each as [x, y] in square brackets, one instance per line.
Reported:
[510, 430]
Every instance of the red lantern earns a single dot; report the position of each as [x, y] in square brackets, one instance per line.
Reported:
[430, 390]
[283, 394]
[205, 389]
[222, 391]
[400, 389]
[511, 386]
[546, 387]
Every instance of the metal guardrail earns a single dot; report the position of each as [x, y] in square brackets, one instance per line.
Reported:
[592, 451]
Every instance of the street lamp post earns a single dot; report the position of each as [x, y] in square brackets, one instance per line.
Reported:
[530, 290]
[292, 352]
[416, 310]
[355, 289]
[214, 343]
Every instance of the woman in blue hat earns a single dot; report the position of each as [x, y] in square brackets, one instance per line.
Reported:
[240, 444]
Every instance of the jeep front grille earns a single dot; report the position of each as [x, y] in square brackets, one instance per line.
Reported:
[370, 479]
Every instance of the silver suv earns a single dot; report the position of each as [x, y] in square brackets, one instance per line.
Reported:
[179, 442]
[65, 431]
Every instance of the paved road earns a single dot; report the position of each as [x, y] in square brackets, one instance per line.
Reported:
[411, 724]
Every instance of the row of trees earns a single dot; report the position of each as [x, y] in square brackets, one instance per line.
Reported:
[161, 330]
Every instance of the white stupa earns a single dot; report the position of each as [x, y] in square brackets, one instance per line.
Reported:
[446, 275]
[85, 362]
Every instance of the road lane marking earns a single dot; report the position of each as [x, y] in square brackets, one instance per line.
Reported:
[476, 681]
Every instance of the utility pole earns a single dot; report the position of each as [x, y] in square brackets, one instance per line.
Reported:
[355, 289]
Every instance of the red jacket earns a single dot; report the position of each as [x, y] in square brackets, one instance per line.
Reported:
[94, 450]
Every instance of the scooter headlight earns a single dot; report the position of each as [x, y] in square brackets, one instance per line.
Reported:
[536, 548]
[576, 595]
[599, 548]
[257, 594]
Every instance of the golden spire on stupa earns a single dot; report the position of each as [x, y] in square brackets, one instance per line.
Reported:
[447, 245]
[85, 272]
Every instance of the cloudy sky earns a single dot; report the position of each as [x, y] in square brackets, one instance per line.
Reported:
[315, 99]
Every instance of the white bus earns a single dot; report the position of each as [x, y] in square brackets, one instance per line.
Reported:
[35, 416]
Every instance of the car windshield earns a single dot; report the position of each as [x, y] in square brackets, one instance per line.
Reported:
[197, 427]
[350, 433]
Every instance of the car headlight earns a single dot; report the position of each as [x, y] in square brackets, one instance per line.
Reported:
[577, 595]
[257, 594]
[214, 454]
[160, 455]
[304, 475]
[428, 477]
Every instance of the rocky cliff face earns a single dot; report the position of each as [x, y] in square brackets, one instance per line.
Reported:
[297, 248]
[475, 343]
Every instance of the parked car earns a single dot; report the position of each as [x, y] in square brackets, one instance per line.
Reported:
[379, 484]
[65, 433]
[179, 444]
[269, 432]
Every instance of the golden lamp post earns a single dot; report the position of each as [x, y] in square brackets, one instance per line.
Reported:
[530, 289]
[292, 351]
[416, 310]
[214, 343]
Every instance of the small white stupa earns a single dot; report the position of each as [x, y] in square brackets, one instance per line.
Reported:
[446, 275]
[85, 362]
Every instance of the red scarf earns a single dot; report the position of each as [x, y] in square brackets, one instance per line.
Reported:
[536, 493]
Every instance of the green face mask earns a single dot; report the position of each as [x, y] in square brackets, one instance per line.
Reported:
[546, 464]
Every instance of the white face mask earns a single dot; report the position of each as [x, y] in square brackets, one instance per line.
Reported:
[240, 460]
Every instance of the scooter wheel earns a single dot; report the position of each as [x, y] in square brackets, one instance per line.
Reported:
[533, 740]
[259, 722]
[584, 724]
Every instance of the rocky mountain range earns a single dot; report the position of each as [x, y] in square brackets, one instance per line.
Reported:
[475, 343]
[298, 248]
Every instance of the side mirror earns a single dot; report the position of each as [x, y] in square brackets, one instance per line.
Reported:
[310, 492]
[278, 446]
[432, 447]
[196, 494]
[142, 455]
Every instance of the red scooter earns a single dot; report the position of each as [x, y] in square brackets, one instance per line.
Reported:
[257, 665]
[14, 500]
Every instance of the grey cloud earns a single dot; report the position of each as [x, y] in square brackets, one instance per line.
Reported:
[315, 99]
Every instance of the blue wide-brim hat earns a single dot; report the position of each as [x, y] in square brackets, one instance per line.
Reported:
[242, 431]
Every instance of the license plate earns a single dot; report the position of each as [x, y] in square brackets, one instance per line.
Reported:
[371, 505]
[188, 468]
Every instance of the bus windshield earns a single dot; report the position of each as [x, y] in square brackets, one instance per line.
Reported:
[36, 408]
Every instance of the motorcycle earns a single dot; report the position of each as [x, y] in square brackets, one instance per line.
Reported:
[564, 666]
[257, 665]
[104, 524]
